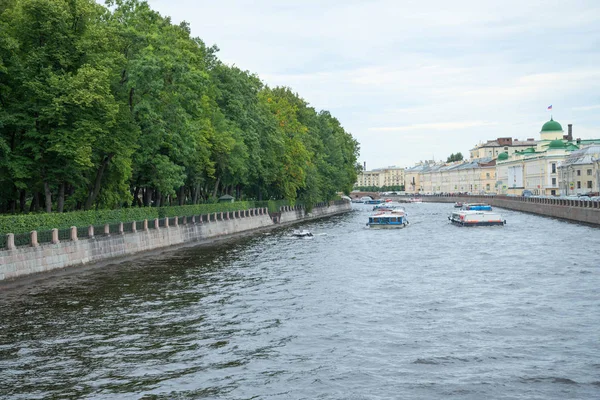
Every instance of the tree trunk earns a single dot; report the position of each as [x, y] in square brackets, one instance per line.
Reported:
[98, 182]
[48, 194]
[34, 200]
[22, 200]
[136, 199]
[216, 187]
[61, 198]
[157, 198]
[181, 196]
[148, 197]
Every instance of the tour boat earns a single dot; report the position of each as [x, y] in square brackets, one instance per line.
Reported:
[458, 204]
[476, 207]
[393, 219]
[376, 201]
[416, 200]
[476, 218]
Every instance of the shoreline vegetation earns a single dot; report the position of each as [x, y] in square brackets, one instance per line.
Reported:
[113, 108]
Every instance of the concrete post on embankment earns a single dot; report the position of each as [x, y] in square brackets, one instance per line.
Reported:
[23, 260]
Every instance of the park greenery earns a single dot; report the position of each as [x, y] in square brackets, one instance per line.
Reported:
[390, 188]
[106, 107]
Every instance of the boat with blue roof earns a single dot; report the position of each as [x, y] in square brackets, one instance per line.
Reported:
[394, 219]
[476, 207]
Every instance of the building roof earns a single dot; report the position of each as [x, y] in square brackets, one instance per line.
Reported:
[583, 156]
[551, 126]
[503, 156]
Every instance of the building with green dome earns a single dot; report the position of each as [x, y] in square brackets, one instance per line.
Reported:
[536, 168]
[551, 130]
[511, 166]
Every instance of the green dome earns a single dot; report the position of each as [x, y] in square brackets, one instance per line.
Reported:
[503, 156]
[529, 150]
[551, 126]
[556, 144]
[572, 147]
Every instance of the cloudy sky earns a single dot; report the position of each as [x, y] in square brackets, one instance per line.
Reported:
[413, 80]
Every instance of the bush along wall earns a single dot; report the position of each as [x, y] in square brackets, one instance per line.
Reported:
[24, 223]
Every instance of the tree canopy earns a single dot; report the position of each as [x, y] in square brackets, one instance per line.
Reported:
[455, 157]
[112, 106]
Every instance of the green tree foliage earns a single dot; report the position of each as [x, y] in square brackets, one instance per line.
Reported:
[455, 157]
[116, 106]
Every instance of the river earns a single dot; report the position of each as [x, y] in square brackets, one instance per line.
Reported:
[427, 312]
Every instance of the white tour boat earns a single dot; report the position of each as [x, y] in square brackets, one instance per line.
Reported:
[476, 218]
[394, 219]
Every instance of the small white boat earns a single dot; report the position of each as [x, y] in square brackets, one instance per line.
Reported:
[302, 234]
[416, 200]
[476, 218]
[394, 219]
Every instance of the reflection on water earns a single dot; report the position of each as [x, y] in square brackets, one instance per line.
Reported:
[431, 311]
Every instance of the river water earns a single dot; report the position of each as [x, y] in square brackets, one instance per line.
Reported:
[427, 312]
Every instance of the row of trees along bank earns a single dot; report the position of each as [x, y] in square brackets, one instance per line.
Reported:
[109, 106]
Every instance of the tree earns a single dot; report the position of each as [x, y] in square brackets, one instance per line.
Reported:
[455, 157]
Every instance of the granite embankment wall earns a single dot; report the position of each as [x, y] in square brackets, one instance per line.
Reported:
[17, 262]
[569, 209]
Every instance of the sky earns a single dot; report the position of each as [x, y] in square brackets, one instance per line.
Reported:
[417, 80]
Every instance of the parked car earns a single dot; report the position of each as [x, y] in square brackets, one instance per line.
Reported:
[527, 193]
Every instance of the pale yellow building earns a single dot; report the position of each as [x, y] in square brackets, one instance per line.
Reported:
[413, 177]
[369, 178]
[381, 177]
[475, 177]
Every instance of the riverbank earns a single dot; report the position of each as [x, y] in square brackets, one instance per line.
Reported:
[168, 233]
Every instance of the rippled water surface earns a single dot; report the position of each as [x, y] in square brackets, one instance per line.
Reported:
[431, 311]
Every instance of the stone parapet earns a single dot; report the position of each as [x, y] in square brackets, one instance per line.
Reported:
[17, 262]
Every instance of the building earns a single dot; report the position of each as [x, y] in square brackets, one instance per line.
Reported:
[535, 168]
[381, 177]
[580, 171]
[493, 148]
[476, 176]
[413, 176]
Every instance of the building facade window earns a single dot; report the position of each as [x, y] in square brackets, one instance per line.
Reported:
[578, 172]
[589, 172]
[589, 184]
[578, 184]
[553, 181]
[553, 168]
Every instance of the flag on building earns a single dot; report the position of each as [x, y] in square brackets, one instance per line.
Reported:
[550, 107]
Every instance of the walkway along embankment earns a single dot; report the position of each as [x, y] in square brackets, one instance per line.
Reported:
[569, 209]
[136, 238]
